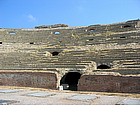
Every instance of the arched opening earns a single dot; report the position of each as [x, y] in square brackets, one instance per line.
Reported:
[12, 33]
[91, 39]
[71, 79]
[122, 37]
[55, 53]
[103, 67]
[92, 30]
[57, 33]
[126, 26]
[32, 43]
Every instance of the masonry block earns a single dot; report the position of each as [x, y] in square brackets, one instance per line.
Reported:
[29, 79]
[109, 83]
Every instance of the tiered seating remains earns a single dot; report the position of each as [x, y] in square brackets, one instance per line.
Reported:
[41, 58]
[34, 58]
[72, 48]
[125, 61]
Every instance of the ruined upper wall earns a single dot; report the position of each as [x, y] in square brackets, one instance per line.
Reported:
[51, 26]
[121, 33]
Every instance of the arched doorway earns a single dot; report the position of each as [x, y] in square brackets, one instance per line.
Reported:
[55, 53]
[71, 79]
[103, 66]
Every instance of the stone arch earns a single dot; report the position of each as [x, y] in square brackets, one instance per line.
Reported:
[55, 53]
[126, 26]
[103, 66]
[57, 33]
[70, 80]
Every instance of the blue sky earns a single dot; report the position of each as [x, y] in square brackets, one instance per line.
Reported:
[29, 13]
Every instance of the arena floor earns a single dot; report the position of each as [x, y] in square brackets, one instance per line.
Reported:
[35, 96]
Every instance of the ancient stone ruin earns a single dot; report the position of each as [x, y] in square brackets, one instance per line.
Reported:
[102, 58]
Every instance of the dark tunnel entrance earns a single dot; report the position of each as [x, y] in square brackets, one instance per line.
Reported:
[71, 79]
[55, 53]
[103, 67]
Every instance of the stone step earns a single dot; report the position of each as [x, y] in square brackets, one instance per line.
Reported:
[64, 66]
[44, 67]
[130, 66]
[120, 50]
[45, 64]
[131, 63]
[67, 59]
[120, 56]
[123, 71]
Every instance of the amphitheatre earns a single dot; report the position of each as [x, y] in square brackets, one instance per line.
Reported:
[98, 58]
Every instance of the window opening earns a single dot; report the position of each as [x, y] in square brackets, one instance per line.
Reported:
[12, 33]
[92, 30]
[57, 33]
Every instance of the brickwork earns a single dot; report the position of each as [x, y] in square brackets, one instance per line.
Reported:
[28, 79]
[109, 83]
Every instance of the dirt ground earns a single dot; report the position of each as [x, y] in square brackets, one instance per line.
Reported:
[38, 96]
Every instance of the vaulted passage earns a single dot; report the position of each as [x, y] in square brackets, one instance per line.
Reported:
[103, 67]
[71, 79]
[55, 53]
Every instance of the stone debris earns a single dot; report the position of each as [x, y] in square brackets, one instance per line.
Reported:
[40, 94]
[7, 102]
[82, 97]
[51, 26]
[130, 101]
[9, 90]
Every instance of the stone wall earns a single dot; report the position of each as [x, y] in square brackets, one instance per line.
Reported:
[121, 33]
[28, 79]
[80, 49]
[109, 83]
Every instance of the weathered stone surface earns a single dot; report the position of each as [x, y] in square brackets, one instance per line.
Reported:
[109, 83]
[9, 90]
[40, 94]
[81, 97]
[51, 26]
[30, 96]
[112, 48]
[121, 33]
[129, 101]
[7, 102]
[29, 79]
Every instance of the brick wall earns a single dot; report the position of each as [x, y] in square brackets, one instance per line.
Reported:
[29, 79]
[109, 83]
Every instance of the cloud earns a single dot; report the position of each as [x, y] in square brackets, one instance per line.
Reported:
[31, 18]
